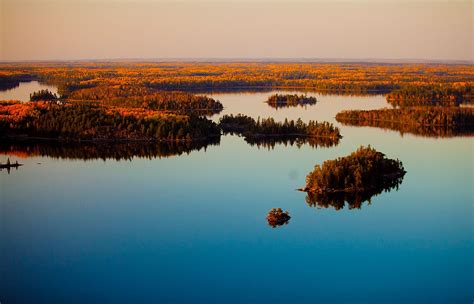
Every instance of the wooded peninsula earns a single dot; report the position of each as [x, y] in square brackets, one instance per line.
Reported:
[427, 121]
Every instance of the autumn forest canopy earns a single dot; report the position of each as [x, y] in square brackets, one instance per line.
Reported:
[157, 101]
[354, 78]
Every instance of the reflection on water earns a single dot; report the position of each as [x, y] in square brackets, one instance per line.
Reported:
[23, 90]
[253, 104]
[354, 200]
[270, 142]
[150, 228]
[10, 166]
[425, 131]
[103, 150]
[129, 150]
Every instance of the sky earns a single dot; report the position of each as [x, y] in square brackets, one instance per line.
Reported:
[148, 29]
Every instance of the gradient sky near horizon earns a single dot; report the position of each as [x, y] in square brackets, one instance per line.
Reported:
[110, 29]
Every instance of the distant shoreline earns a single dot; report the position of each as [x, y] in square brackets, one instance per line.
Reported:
[388, 61]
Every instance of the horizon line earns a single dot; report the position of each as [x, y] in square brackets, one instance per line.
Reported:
[248, 59]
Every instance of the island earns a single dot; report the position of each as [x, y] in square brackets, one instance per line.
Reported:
[278, 217]
[269, 128]
[353, 178]
[290, 100]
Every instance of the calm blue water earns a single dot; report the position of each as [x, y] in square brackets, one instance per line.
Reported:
[192, 228]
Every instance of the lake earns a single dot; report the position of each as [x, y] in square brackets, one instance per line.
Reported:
[192, 228]
[24, 89]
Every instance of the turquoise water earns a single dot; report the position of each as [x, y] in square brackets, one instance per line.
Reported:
[192, 228]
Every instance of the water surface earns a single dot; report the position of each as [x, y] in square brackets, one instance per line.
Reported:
[192, 227]
[24, 89]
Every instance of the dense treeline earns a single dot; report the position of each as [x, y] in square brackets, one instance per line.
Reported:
[290, 100]
[91, 121]
[102, 150]
[43, 95]
[249, 127]
[430, 95]
[429, 121]
[364, 170]
[12, 79]
[143, 97]
[355, 78]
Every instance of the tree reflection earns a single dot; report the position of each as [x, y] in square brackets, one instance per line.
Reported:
[354, 200]
[419, 130]
[270, 142]
[103, 150]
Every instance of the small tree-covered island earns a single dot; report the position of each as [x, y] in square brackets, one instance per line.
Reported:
[290, 100]
[362, 171]
[278, 217]
[352, 179]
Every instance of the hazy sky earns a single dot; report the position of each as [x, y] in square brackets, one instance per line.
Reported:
[101, 29]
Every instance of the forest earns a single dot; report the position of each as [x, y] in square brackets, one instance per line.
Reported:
[155, 100]
[430, 95]
[342, 78]
[43, 95]
[365, 170]
[91, 121]
[10, 79]
[148, 99]
[290, 100]
[268, 127]
[426, 121]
